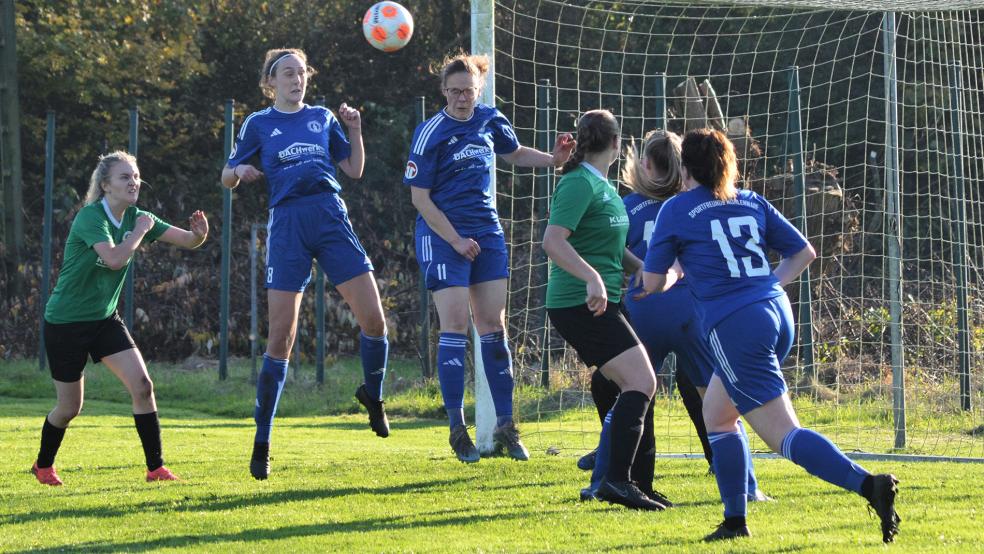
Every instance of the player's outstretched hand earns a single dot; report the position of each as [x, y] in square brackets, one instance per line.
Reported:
[597, 298]
[467, 248]
[350, 116]
[247, 173]
[198, 224]
[562, 148]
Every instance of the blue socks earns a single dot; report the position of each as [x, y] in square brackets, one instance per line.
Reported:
[451, 374]
[374, 352]
[752, 481]
[817, 455]
[603, 454]
[730, 461]
[269, 385]
[498, 370]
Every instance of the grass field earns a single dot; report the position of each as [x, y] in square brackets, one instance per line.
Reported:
[337, 487]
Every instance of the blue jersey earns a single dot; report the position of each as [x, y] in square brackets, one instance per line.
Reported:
[298, 151]
[722, 246]
[642, 212]
[453, 159]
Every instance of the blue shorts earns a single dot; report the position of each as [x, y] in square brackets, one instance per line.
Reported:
[673, 322]
[444, 267]
[312, 227]
[749, 345]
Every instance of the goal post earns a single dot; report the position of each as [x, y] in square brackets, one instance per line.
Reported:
[887, 142]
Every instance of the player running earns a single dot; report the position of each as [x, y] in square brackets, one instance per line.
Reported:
[585, 239]
[720, 236]
[299, 147]
[460, 244]
[80, 319]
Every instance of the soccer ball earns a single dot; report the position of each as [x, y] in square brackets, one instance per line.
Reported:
[387, 26]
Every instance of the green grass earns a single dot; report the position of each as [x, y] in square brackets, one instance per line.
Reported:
[336, 487]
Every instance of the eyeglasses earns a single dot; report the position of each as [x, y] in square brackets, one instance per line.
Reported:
[468, 92]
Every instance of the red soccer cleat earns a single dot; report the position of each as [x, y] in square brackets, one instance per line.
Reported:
[161, 474]
[46, 475]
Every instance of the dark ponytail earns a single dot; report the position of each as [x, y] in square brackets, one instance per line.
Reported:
[595, 131]
[710, 159]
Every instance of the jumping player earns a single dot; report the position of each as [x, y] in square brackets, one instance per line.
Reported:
[80, 319]
[460, 244]
[720, 236]
[299, 147]
[585, 239]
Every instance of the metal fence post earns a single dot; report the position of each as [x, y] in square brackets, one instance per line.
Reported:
[893, 228]
[253, 309]
[132, 270]
[49, 185]
[959, 249]
[794, 152]
[226, 249]
[542, 177]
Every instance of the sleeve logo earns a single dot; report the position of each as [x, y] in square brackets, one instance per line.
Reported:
[411, 170]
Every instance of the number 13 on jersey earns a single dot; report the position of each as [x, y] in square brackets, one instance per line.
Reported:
[752, 246]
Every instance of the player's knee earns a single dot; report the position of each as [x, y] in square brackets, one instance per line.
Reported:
[717, 420]
[64, 413]
[143, 389]
[487, 326]
[374, 326]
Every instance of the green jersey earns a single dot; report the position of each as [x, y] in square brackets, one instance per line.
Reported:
[88, 290]
[587, 204]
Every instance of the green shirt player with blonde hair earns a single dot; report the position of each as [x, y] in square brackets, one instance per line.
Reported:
[80, 319]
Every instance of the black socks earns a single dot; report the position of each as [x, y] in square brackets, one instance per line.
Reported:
[627, 427]
[149, 429]
[51, 439]
[644, 464]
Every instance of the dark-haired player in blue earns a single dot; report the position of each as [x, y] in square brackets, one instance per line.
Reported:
[460, 243]
[668, 322]
[299, 147]
[720, 237]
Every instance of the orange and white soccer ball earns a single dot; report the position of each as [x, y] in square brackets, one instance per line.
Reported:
[388, 26]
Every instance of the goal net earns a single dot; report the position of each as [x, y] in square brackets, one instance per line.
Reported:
[869, 116]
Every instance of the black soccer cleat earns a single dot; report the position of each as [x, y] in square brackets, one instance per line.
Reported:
[506, 437]
[884, 488]
[587, 462]
[377, 412]
[259, 463]
[656, 496]
[723, 533]
[626, 494]
[587, 494]
[462, 445]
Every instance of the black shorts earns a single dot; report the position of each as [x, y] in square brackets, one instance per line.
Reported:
[69, 344]
[597, 340]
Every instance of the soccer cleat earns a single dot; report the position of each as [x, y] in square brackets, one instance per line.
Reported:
[161, 474]
[723, 533]
[507, 437]
[656, 496]
[46, 475]
[626, 494]
[587, 462]
[884, 488]
[760, 496]
[587, 494]
[462, 445]
[377, 412]
[259, 462]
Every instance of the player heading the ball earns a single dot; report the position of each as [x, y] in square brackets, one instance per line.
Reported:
[298, 147]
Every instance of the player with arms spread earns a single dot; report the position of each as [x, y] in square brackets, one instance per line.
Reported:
[720, 236]
[460, 244]
[299, 147]
[80, 319]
